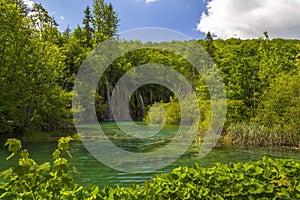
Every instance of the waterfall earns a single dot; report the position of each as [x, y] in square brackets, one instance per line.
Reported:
[110, 118]
[143, 105]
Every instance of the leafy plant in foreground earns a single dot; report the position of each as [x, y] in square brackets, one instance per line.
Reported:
[29, 180]
[264, 179]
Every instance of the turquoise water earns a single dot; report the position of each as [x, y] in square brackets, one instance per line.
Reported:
[94, 172]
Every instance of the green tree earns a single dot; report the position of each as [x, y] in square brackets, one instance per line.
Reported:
[87, 26]
[280, 107]
[14, 56]
[75, 51]
[32, 73]
[47, 104]
[209, 46]
[105, 20]
[111, 21]
[41, 19]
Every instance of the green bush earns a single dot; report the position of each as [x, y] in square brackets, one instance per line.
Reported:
[164, 112]
[279, 109]
[263, 179]
[170, 113]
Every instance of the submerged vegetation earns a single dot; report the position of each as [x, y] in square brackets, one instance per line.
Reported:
[263, 179]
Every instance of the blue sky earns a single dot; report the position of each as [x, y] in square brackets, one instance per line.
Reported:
[223, 18]
[179, 15]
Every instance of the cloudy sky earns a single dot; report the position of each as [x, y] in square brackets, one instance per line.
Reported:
[249, 18]
[223, 18]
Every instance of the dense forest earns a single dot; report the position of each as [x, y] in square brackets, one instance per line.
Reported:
[39, 65]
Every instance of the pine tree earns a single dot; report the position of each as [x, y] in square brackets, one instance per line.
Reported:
[104, 21]
[209, 46]
[67, 32]
[111, 19]
[87, 28]
[40, 19]
[98, 19]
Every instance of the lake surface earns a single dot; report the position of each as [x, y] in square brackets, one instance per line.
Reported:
[94, 172]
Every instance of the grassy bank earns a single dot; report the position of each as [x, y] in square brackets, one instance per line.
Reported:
[246, 134]
[39, 136]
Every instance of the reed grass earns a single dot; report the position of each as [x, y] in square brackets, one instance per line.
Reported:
[247, 134]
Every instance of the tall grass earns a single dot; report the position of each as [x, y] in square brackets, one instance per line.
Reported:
[257, 135]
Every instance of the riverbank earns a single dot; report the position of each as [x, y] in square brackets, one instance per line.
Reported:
[39, 136]
[239, 135]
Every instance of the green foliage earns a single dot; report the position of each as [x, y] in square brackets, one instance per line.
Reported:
[32, 71]
[14, 56]
[170, 112]
[88, 30]
[164, 112]
[279, 109]
[39, 64]
[29, 180]
[104, 20]
[264, 179]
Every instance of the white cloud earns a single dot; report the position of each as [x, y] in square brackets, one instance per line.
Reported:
[150, 1]
[29, 3]
[62, 18]
[147, 1]
[250, 18]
